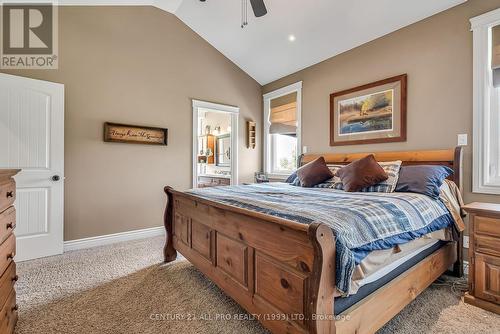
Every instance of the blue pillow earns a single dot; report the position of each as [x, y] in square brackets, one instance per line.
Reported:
[291, 178]
[424, 179]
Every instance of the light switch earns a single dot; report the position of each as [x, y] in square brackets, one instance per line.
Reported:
[304, 149]
[462, 139]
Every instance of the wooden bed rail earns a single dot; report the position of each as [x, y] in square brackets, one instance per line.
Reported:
[280, 270]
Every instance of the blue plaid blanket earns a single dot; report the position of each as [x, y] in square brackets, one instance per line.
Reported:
[362, 222]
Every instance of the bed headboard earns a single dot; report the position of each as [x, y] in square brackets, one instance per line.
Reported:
[451, 158]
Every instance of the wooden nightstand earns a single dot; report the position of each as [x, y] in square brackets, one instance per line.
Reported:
[484, 256]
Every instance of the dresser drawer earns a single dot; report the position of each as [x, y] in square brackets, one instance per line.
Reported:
[7, 252]
[487, 245]
[8, 314]
[7, 223]
[487, 225]
[7, 281]
[224, 182]
[7, 194]
[205, 181]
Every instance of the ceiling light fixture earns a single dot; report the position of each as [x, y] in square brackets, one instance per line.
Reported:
[291, 38]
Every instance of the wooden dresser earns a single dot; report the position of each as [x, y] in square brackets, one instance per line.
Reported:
[484, 256]
[8, 306]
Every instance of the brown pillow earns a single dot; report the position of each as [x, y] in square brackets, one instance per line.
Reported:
[314, 173]
[361, 173]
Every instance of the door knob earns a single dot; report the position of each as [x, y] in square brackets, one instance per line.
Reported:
[56, 178]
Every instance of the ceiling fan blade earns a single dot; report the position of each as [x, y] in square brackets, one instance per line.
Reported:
[259, 8]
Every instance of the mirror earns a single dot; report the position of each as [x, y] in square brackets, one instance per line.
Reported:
[223, 150]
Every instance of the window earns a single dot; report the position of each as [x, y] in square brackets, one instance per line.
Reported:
[486, 127]
[284, 154]
[282, 130]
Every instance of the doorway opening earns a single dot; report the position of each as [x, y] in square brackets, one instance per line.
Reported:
[215, 144]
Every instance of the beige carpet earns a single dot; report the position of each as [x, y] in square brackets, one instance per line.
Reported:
[124, 288]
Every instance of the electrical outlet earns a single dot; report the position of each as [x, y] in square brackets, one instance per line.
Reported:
[462, 139]
[304, 149]
[466, 241]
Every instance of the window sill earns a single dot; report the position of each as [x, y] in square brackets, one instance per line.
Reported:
[489, 190]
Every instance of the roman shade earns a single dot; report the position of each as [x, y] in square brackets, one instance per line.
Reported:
[495, 57]
[283, 116]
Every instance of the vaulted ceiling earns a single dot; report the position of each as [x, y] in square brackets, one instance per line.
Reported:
[321, 28]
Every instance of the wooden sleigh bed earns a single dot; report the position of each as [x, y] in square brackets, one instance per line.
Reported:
[284, 271]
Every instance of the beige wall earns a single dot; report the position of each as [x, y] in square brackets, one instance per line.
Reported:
[136, 65]
[437, 55]
[141, 65]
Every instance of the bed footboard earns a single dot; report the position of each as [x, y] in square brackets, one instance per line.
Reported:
[280, 271]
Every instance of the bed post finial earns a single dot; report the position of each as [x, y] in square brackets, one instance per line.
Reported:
[169, 252]
[299, 160]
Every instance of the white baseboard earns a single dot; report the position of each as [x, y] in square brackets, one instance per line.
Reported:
[113, 238]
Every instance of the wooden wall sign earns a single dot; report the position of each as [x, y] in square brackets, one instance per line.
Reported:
[123, 133]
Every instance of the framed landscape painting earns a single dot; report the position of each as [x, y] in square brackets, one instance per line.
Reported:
[368, 114]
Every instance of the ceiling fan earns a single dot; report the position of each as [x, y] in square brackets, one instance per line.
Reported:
[258, 7]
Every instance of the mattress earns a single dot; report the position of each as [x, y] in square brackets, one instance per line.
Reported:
[379, 262]
[343, 303]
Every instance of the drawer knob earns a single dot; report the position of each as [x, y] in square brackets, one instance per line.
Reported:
[15, 278]
[10, 256]
[10, 194]
[10, 225]
[284, 283]
[15, 308]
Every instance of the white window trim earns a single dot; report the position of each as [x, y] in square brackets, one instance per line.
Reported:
[481, 28]
[234, 111]
[296, 87]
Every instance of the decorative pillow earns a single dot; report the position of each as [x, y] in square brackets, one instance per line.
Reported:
[388, 186]
[291, 179]
[314, 172]
[361, 173]
[334, 182]
[424, 179]
[296, 182]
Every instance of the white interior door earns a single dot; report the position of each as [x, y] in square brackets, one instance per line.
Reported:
[32, 139]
